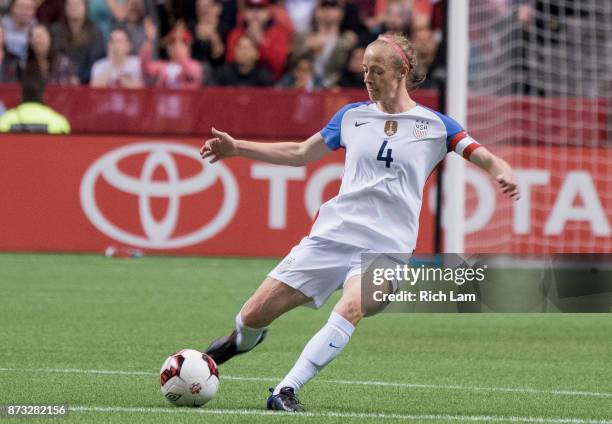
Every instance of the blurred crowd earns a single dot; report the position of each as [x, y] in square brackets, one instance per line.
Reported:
[306, 44]
[541, 47]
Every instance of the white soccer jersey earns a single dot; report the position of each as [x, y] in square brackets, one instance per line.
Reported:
[388, 160]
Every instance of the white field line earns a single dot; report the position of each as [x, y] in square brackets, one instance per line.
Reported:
[331, 414]
[559, 392]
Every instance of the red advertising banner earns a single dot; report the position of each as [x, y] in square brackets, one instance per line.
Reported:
[253, 112]
[268, 113]
[157, 195]
[88, 193]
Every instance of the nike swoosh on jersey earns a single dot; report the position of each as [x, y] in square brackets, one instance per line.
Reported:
[335, 347]
[358, 124]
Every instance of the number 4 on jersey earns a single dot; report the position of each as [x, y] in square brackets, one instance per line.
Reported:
[388, 158]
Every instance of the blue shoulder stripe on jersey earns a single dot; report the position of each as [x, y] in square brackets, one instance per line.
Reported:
[452, 126]
[331, 131]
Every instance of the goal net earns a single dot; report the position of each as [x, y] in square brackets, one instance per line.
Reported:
[539, 94]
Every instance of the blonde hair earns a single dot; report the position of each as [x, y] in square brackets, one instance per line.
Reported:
[416, 75]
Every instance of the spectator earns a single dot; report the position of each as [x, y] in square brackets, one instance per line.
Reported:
[369, 13]
[272, 39]
[79, 38]
[301, 12]
[134, 24]
[32, 115]
[42, 59]
[8, 62]
[180, 70]
[17, 24]
[423, 13]
[352, 75]
[280, 17]
[425, 45]
[244, 71]
[352, 21]
[173, 12]
[210, 32]
[118, 69]
[106, 14]
[396, 17]
[301, 75]
[327, 43]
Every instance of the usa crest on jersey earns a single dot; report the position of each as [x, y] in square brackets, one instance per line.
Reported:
[420, 128]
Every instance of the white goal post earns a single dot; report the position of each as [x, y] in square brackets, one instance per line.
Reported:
[453, 205]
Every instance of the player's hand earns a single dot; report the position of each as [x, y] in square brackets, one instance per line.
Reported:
[221, 146]
[508, 186]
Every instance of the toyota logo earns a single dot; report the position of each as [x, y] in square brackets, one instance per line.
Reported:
[158, 234]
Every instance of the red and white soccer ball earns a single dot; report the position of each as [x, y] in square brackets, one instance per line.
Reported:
[189, 378]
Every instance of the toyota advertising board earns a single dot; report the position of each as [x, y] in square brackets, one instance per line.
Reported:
[85, 194]
[156, 195]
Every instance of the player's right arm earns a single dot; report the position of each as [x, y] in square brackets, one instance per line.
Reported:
[222, 146]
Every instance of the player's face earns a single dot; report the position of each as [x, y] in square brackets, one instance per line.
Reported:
[380, 75]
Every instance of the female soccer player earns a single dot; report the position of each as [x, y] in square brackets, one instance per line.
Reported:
[392, 145]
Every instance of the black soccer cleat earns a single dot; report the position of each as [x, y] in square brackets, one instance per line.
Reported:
[224, 348]
[285, 400]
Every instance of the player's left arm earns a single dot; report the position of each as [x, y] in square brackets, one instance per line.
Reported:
[498, 169]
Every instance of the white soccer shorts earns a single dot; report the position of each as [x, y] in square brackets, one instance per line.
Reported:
[318, 267]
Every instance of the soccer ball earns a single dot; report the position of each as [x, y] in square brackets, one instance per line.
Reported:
[189, 378]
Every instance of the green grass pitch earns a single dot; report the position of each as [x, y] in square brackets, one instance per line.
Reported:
[92, 332]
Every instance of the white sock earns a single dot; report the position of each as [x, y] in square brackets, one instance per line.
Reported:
[319, 351]
[247, 336]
